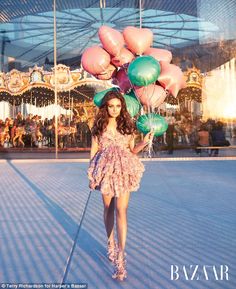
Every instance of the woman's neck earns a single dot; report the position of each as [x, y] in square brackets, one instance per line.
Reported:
[112, 124]
[112, 121]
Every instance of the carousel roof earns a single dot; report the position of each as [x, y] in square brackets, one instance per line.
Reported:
[191, 29]
[37, 86]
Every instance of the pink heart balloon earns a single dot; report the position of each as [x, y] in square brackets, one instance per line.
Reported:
[95, 60]
[171, 78]
[159, 54]
[138, 40]
[112, 40]
[152, 95]
[108, 73]
[121, 79]
[123, 58]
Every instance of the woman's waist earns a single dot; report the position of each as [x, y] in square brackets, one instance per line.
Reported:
[114, 148]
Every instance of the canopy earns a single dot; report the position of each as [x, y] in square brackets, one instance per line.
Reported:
[194, 30]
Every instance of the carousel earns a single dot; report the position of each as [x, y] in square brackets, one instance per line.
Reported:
[75, 89]
[75, 92]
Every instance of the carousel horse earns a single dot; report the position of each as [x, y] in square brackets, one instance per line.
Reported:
[38, 134]
[62, 134]
[73, 131]
[4, 135]
[20, 132]
[66, 134]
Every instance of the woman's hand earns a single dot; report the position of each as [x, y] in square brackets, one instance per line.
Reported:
[141, 145]
[91, 186]
[148, 137]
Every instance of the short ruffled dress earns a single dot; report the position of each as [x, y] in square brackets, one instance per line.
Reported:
[115, 170]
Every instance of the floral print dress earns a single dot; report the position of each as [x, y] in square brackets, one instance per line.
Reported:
[114, 169]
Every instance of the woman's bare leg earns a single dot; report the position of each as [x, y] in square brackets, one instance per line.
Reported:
[109, 208]
[121, 220]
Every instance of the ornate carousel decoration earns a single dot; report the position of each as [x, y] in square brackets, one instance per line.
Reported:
[40, 84]
[76, 89]
[193, 90]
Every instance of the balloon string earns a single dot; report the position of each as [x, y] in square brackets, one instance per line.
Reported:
[150, 149]
[150, 110]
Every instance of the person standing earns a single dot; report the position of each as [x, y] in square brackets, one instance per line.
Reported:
[170, 132]
[115, 170]
[202, 138]
[218, 137]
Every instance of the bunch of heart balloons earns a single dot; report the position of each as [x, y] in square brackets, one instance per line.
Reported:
[143, 74]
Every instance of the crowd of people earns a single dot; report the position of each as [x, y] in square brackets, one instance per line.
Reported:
[211, 135]
[33, 131]
[186, 131]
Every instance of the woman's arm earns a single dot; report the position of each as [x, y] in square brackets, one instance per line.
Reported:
[141, 145]
[94, 147]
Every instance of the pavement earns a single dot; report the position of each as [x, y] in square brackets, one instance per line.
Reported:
[184, 214]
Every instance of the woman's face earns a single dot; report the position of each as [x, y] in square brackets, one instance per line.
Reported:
[114, 107]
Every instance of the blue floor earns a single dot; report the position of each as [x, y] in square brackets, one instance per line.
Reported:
[51, 227]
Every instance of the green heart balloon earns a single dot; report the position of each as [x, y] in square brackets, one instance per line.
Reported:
[144, 70]
[152, 121]
[98, 97]
[132, 104]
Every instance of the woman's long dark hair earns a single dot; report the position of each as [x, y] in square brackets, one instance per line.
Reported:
[125, 124]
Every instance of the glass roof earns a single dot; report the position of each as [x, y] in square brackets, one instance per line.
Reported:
[26, 27]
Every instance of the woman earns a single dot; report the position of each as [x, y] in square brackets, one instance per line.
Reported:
[115, 170]
[202, 138]
[218, 138]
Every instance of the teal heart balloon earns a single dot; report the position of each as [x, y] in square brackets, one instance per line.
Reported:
[132, 104]
[98, 97]
[144, 70]
[152, 121]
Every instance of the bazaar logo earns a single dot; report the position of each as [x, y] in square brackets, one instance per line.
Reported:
[197, 272]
